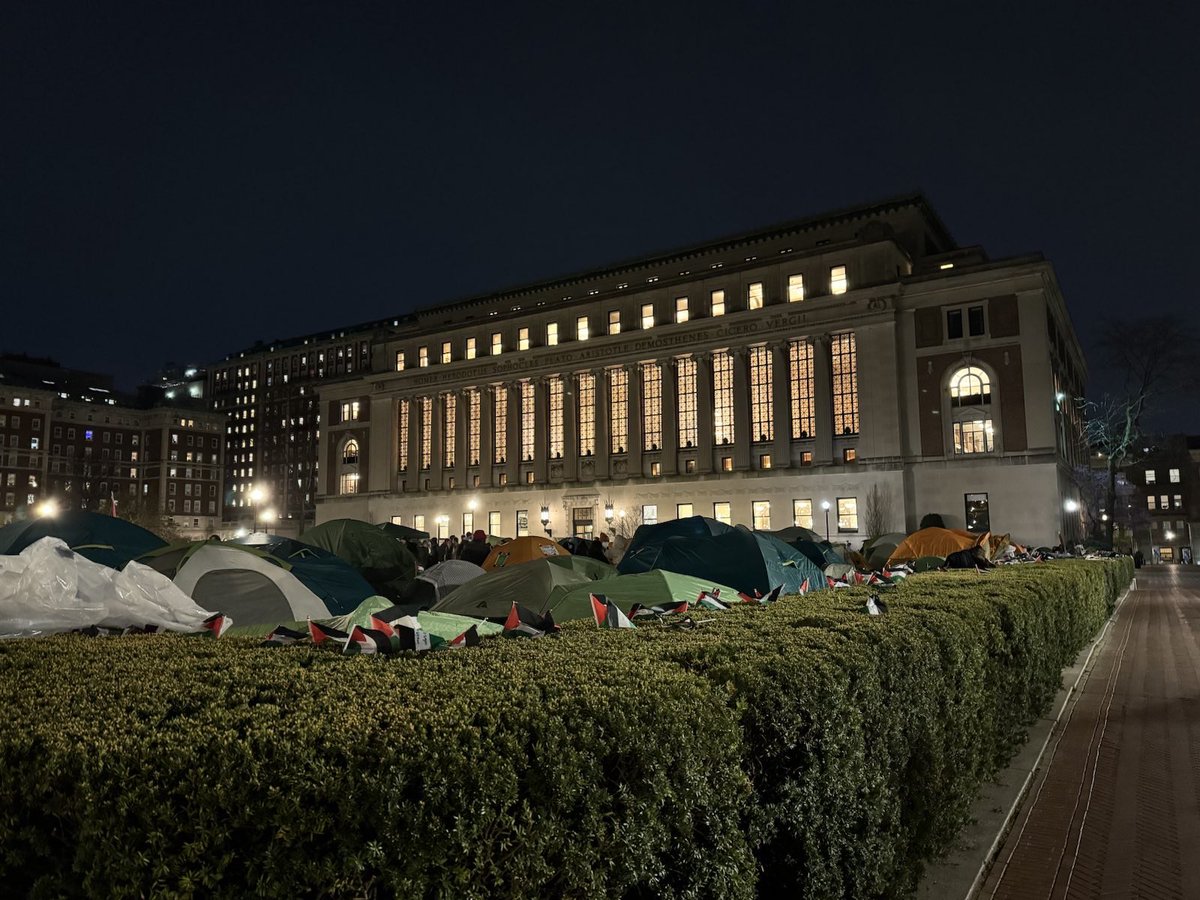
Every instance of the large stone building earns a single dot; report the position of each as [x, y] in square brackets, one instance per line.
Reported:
[849, 372]
[71, 437]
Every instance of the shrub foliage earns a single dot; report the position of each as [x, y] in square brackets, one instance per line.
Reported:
[803, 748]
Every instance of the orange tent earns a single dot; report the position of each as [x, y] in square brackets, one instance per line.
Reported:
[522, 549]
[935, 542]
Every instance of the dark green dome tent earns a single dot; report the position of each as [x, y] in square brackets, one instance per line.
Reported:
[385, 562]
[103, 539]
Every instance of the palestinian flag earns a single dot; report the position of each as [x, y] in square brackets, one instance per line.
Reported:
[709, 600]
[666, 609]
[858, 577]
[774, 595]
[523, 622]
[282, 637]
[804, 587]
[367, 640]
[407, 638]
[875, 606]
[469, 638]
[321, 633]
[377, 624]
[607, 614]
[217, 623]
[756, 597]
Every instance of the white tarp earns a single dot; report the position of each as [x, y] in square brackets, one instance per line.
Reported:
[48, 588]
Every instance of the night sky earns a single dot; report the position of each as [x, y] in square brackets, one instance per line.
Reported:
[180, 180]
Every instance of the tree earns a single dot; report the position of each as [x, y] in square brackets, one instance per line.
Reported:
[144, 515]
[1150, 356]
[877, 511]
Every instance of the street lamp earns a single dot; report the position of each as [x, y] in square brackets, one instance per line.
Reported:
[546, 521]
[257, 494]
[268, 516]
[47, 509]
[1071, 506]
[825, 506]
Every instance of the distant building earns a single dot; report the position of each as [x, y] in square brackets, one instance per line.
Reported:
[1167, 479]
[69, 436]
[848, 366]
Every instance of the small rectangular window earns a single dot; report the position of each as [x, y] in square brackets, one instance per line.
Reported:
[847, 513]
[726, 463]
[655, 469]
[647, 316]
[954, 324]
[446, 357]
[471, 348]
[552, 334]
[717, 307]
[1163, 502]
[975, 321]
[681, 309]
[764, 460]
[806, 458]
[762, 515]
[497, 343]
[795, 288]
[978, 518]
[650, 514]
[1177, 501]
[1150, 502]
[849, 455]
[802, 513]
[1173, 476]
[581, 328]
[423, 357]
[723, 512]
[1151, 476]
[754, 297]
[684, 511]
[838, 283]
[523, 339]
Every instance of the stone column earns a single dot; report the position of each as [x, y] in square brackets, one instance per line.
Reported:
[603, 463]
[781, 406]
[381, 441]
[462, 425]
[633, 375]
[436, 458]
[513, 457]
[487, 428]
[412, 478]
[541, 429]
[704, 413]
[570, 429]
[742, 439]
[822, 401]
[670, 417]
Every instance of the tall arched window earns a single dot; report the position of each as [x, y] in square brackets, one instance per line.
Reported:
[348, 473]
[970, 391]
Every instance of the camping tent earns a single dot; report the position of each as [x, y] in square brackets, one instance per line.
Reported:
[382, 560]
[247, 584]
[530, 584]
[652, 588]
[820, 553]
[329, 577]
[794, 533]
[103, 539]
[444, 625]
[934, 542]
[878, 549]
[402, 532]
[522, 550]
[438, 581]
[712, 551]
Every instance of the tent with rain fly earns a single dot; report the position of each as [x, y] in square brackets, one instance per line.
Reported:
[103, 539]
[878, 549]
[402, 532]
[530, 584]
[654, 588]
[584, 547]
[794, 533]
[326, 575]
[819, 553]
[934, 542]
[523, 550]
[436, 582]
[247, 584]
[385, 562]
[723, 554]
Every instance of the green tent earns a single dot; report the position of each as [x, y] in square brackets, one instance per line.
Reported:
[103, 539]
[444, 625]
[386, 563]
[402, 532]
[652, 588]
[530, 584]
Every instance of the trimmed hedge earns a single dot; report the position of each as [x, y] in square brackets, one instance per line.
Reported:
[803, 747]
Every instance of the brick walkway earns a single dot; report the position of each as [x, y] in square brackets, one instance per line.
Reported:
[1116, 810]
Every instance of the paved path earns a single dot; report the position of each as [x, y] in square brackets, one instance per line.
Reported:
[1116, 810]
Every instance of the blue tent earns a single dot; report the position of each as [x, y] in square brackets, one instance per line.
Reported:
[724, 554]
[325, 574]
[103, 539]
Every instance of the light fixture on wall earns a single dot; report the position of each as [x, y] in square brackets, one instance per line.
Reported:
[608, 511]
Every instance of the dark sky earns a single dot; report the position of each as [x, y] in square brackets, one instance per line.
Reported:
[181, 179]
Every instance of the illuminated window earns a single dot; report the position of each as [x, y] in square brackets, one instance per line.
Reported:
[685, 380]
[523, 339]
[722, 364]
[684, 511]
[723, 512]
[494, 521]
[349, 454]
[402, 435]
[802, 513]
[795, 288]
[689, 467]
[837, 280]
[681, 309]
[426, 432]
[973, 436]
[554, 390]
[762, 515]
[471, 348]
[423, 357]
[446, 357]
[350, 410]
[970, 401]
[581, 328]
[970, 386]
[522, 523]
[399, 360]
[647, 316]
[650, 514]
[762, 425]
[500, 423]
[614, 321]
[449, 429]
[655, 469]
[528, 420]
[618, 392]
[552, 334]
[1150, 503]
[849, 455]
[800, 358]
[764, 460]
[845, 383]
[348, 483]
[473, 429]
[1173, 476]
[651, 406]
[497, 343]
[419, 522]
[468, 522]
[754, 297]
[847, 513]
[1151, 475]
[587, 414]
[717, 307]
[1177, 501]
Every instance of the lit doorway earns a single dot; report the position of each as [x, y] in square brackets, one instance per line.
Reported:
[583, 522]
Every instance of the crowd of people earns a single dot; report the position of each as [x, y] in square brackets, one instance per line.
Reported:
[474, 548]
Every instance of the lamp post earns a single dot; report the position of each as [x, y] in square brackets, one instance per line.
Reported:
[47, 509]
[256, 495]
[268, 516]
[825, 506]
[546, 521]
